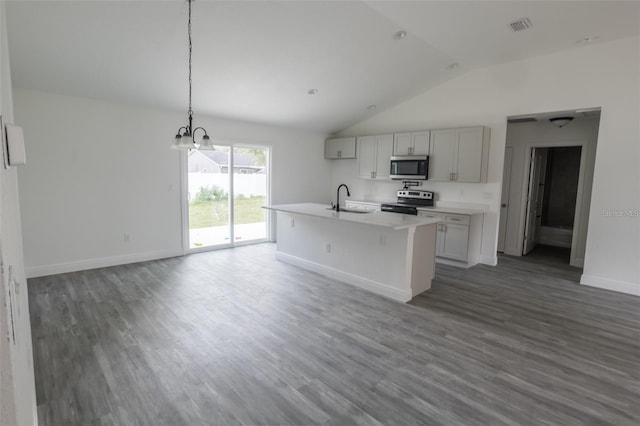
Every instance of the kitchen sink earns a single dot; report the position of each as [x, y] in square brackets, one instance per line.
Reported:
[351, 210]
[356, 211]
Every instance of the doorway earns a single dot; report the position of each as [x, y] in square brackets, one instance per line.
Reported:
[538, 207]
[226, 189]
[551, 201]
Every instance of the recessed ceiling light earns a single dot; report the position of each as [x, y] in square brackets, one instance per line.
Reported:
[372, 107]
[312, 91]
[587, 39]
[453, 66]
[399, 35]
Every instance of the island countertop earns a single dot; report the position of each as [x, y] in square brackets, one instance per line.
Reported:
[388, 220]
[455, 208]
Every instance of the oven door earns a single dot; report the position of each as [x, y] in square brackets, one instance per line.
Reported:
[409, 167]
[399, 208]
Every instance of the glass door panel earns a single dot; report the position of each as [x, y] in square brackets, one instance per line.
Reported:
[250, 193]
[208, 197]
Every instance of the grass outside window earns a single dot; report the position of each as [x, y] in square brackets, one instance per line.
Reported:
[207, 213]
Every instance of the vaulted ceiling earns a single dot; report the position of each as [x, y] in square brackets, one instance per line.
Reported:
[256, 61]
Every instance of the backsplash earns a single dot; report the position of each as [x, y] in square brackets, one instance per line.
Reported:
[471, 195]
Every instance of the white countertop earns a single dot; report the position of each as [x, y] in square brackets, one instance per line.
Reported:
[437, 209]
[455, 210]
[384, 219]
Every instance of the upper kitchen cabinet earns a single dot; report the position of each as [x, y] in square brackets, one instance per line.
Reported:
[374, 155]
[411, 143]
[340, 148]
[459, 155]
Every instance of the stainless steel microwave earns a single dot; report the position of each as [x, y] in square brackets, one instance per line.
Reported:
[410, 167]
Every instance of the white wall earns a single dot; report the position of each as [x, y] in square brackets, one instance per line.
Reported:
[606, 75]
[17, 386]
[98, 170]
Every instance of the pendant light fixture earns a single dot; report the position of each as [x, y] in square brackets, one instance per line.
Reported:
[187, 140]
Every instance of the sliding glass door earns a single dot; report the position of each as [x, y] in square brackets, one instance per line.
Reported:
[249, 193]
[227, 187]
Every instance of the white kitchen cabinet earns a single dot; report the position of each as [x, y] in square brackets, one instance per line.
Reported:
[411, 143]
[340, 148]
[458, 237]
[454, 234]
[459, 155]
[453, 241]
[374, 154]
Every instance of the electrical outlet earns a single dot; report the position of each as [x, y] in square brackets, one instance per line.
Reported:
[327, 248]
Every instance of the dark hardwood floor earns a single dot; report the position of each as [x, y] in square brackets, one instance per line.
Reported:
[235, 337]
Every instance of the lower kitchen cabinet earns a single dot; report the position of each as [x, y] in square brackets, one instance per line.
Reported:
[453, 235]
[459, 236]
[453, 241]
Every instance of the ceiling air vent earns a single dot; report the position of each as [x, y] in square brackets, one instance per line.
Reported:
[520, 25]
[522, 120]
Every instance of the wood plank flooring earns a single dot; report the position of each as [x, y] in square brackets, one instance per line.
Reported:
[235, 337]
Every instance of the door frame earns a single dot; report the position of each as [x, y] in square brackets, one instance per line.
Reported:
[532, 224]
[505, 197]
[578, 226]
[184, 191]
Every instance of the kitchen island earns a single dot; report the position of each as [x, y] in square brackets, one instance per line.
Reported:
[389, 254]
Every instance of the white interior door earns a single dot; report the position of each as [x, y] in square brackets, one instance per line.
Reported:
[534, 199]
[504, 205]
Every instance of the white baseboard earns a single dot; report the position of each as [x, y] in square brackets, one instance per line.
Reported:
[489, 260]
[609, 284]
[364, 283]
[451, 262]
[82, 265]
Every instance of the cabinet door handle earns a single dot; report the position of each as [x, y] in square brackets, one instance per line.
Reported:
[503, 205]
[455, 219]
[339, 154]
[451, 176]
[410, 150]
[371, 175]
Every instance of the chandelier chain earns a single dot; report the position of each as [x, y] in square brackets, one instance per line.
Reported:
[190, 49]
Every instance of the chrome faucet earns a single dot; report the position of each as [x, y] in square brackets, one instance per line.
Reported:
[338, 195]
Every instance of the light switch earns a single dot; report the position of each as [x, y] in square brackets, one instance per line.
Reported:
[15, 145]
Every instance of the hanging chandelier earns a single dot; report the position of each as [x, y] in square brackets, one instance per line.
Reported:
[185, 138]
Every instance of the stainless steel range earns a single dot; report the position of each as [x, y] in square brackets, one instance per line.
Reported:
[408, 201]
